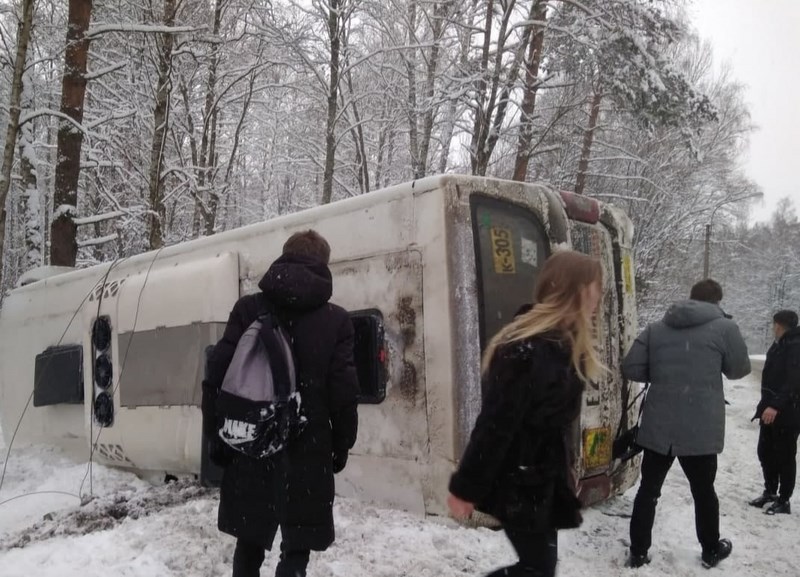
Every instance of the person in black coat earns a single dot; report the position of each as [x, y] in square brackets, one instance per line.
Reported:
[779, 413]
[517, 466]
[293, 489]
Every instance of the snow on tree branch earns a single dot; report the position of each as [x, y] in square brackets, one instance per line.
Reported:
[97, 30]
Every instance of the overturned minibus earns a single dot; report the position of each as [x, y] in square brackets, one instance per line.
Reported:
[112, 356]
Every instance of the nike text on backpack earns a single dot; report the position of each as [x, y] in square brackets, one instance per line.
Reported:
[259, 406]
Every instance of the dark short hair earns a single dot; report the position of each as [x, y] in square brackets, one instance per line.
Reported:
[786, 318]
[308, 243]
[707, 290]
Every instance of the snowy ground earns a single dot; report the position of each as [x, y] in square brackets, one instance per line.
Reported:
[155, 531]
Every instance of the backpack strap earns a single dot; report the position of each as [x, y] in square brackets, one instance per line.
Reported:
[623, 421]
[277, 355]
[272, 325]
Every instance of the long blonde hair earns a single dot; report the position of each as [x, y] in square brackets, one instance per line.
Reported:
[558, 308]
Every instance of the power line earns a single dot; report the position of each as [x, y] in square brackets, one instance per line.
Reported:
[93, 447]
[60, 340]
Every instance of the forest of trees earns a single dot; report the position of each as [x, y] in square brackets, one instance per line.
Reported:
[131, 124]
[758, 267]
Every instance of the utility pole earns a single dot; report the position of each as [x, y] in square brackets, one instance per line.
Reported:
[707, 256]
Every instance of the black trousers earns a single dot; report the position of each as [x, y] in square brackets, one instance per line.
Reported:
[777, 451]
[701, 471]
[537, 552]
[248, 557]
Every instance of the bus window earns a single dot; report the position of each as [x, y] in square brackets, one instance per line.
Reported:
[510, 249]
[58, 376]
[369, 354]
[164, 366]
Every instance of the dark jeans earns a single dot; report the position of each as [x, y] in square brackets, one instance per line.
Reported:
[537, 552]
[777, 449]
[701, 472]
[248, 557]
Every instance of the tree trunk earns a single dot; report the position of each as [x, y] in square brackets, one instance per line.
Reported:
[209, 138]
[383, 131]
[447, 134]
[23, 38]
[333, 100]
[452, 108]
[160, 121]
[439, 14]
[197, 213]
[358, 139]
[588, 139]
[232, 159]
[487, 131]
[63, 242]
[481, 123]
[411, 78]
[389, 157]
[538, 13]
[30, 188]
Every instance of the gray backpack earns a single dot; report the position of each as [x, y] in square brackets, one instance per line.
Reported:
[259, 405]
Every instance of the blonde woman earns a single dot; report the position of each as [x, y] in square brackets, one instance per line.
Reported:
[516, 466]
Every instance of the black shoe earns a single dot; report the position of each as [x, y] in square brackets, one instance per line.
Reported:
[723, 551]
[636, 561]
[779, 507]
[763, 500]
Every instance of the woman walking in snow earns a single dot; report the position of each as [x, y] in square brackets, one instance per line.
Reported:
[517, 464]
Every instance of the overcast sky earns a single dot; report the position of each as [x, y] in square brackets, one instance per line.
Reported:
[760, 39]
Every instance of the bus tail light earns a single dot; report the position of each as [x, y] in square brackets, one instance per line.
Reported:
[579, 207]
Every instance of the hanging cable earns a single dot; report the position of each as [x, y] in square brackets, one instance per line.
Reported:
[32, 493]
[119, 376]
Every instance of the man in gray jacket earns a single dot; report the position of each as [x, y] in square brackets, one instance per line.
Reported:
[683, 358]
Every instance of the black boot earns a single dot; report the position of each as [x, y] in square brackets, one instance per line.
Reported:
[292, 563]
[763, 499]
[635, 561]
[723, 551]
[779, 507]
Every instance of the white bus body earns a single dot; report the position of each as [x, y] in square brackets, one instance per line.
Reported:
[441, 263]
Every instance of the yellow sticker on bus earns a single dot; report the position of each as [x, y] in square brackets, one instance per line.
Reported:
[503, 251]
[627, 273]
[596, 448]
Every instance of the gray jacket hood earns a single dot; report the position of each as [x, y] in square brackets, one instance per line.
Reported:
[686, 314]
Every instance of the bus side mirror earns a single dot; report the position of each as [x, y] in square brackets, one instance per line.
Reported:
[370, 355]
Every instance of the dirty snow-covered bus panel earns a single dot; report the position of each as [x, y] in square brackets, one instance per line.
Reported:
[431, 270]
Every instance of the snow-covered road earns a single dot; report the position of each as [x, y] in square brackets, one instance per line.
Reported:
[179, 538]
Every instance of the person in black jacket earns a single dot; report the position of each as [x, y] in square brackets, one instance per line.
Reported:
[293, 489]
[517, 466]
[779, 413]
